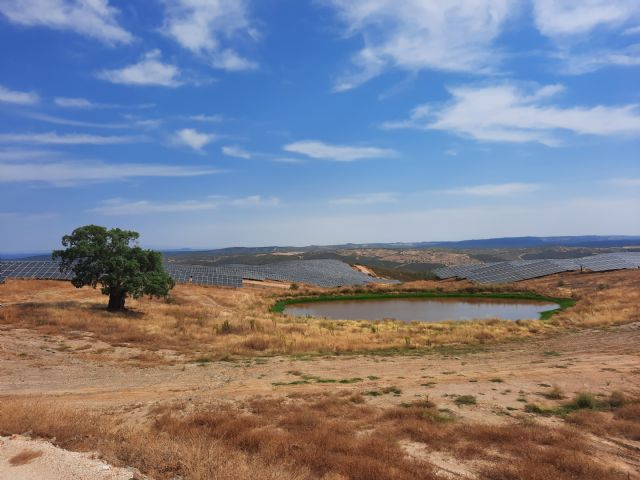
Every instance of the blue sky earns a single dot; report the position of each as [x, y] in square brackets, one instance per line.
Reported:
[210, 123]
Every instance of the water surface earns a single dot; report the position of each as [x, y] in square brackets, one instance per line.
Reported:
[424, 309]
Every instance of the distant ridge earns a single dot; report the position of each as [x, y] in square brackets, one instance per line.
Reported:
[589, 241]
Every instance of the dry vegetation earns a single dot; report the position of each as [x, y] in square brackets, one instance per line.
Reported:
[475, 415]
[327, 436]
[215, 322]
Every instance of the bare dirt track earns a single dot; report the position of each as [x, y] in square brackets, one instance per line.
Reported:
[391, 398]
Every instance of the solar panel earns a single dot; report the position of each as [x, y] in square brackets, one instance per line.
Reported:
[43, 270]
[323, 273]
[516, 270]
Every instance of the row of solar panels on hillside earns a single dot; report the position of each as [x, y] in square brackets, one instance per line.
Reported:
[323, 273]
[517, 270]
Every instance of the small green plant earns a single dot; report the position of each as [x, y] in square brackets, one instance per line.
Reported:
[584, 400]
[294, 286]
[496, 380]
[373, 377]
[465, 400]
[538, 410]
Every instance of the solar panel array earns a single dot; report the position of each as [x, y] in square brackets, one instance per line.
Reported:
[323, 273]
[514, 271]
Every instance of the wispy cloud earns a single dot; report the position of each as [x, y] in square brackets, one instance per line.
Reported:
[338, 153]
[54, 138]
[494, 190]
[19, 98]
[43, 117]
[236, 151]
[572, 26]
[70, 173]
[204, 27]
[507, 113]
[193, 138]
[92, 18]
[453, 35]
[366, 199]
[579, 63]
[150, 70]
[206, 118]
[85, 104]
[120, 206]
[560, 18]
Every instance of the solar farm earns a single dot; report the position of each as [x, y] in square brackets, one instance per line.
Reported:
[517, 270]
[322, 273]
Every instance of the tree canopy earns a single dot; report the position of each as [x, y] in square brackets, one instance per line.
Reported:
[112, 260]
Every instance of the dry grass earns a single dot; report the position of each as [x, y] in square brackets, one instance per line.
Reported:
[215, 322]
[24, 457]
[329, 436]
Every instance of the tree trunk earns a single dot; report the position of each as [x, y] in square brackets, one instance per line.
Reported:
[116, 300]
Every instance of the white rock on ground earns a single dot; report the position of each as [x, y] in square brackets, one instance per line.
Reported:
[54, 463]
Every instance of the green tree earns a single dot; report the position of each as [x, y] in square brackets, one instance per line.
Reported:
[111, 259]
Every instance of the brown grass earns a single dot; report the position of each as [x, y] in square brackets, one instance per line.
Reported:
[216, 322]
[24, 457]
[305, 436]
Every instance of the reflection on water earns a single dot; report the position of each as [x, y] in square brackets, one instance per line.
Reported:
[424, 309]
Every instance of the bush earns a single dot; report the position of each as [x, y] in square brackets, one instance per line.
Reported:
[584, 400]
[465, 400]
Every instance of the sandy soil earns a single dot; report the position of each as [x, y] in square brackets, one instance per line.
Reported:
[596, 360]
[53, 463]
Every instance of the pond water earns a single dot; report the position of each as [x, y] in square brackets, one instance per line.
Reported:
[424, 309]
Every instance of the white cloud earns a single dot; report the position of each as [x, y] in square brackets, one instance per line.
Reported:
[337, 153]
[453, 35]
[568, 17]
[255, 201]
[43, 117]
[572, 26]
[120, 206]
[236, 151]
[203, 26]
[148, 71]
[494, 190]
[54, 138]
[194, 139]
[12, 155]
[507, 113]
[68, 173]
[19, 98]
[206, 118]
[70, 102]
[366, 199]
[590, 61]
[93, 18]
[83, 103]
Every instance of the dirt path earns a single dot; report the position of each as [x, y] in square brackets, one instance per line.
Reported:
[504, 377]
[22, 458]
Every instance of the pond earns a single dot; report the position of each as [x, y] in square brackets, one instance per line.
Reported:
[424, 309]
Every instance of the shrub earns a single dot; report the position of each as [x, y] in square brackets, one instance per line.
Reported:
[465, 400]
[584, 400]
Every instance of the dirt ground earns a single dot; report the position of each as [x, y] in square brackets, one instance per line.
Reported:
[82, 372]
[22, 458]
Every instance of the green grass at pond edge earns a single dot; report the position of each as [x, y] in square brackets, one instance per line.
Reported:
[563, 303]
